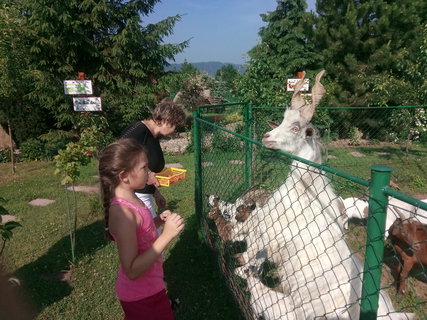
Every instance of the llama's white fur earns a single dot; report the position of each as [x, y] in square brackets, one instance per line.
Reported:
[407, 209]
[358, 208]
[354, 208]
[266, 303]
[300, 227]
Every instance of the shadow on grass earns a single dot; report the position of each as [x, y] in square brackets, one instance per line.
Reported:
[37, 277]
[192, 275]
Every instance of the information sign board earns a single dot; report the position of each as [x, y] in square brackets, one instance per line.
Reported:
[87, 104]
[78, 86]
[292, 82]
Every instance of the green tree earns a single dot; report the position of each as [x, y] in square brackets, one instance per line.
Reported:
[188, 70]
[420, 72]
[227, 75]
[173, 81]
[192, 92]
[284, 50]
[17, 115]
[109, 42]
[368, 47]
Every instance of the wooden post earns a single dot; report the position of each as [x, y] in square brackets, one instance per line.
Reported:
[12, 158]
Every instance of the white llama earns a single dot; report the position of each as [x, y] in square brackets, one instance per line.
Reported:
[300, 227]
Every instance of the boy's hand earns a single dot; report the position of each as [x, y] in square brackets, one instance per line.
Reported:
[152, 179]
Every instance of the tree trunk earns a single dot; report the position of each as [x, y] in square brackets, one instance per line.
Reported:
[12, 159]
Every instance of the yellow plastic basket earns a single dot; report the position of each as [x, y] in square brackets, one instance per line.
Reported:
[169, 176]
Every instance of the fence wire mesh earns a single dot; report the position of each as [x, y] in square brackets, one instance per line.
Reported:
[291, 238]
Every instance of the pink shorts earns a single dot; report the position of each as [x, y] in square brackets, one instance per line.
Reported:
[156, 307]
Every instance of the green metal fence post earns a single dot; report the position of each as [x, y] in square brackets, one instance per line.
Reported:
[378, 200]
[248, 145]
[197, 163]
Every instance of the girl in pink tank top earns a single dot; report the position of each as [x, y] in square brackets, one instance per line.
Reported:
[140, 286]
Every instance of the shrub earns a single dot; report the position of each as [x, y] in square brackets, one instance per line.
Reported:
[4, 155]
[355, 136]
[54, 141]
[32, 149]
[234, 117]
[224, 142]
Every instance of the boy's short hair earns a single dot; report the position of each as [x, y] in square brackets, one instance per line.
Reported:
[169, 112]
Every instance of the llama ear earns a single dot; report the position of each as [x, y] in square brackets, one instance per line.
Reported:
[341, 206]
[400, 214]
[272, 124]
[309, 132]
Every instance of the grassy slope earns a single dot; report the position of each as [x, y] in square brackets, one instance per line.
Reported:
[42, 248]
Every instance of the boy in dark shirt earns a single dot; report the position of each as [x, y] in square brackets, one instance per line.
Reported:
[166, 117]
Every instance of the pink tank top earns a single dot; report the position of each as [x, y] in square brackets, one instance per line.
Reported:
[151, 282]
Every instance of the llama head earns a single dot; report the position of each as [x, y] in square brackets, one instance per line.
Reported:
[214, 213]
[295, 132]
[244, 211]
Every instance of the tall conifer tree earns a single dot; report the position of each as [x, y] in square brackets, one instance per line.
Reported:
[369, 45]
[284, 50]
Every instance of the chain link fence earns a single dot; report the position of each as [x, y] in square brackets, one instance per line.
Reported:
[305, 248]
[355, 138]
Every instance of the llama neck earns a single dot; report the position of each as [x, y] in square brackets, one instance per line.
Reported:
[310, 150]
[311, 182]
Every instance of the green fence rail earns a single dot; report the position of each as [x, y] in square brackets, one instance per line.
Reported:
[232, 165]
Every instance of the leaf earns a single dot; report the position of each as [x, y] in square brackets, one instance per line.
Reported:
[3, 210]
[5, 234]
[12, 225]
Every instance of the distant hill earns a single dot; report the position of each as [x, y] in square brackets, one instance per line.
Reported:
[210, 67]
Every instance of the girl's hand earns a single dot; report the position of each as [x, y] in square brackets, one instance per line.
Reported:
[160, 200]
[164, 215]
[173, 225]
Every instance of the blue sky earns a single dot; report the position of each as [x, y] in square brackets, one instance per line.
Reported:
[220, 30]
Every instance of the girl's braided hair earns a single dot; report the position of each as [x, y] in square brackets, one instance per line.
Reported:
[121, 155]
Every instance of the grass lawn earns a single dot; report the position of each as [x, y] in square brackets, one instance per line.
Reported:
[409, 170]
[40, 249]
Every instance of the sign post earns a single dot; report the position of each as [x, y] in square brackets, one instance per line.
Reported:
[82, 88]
